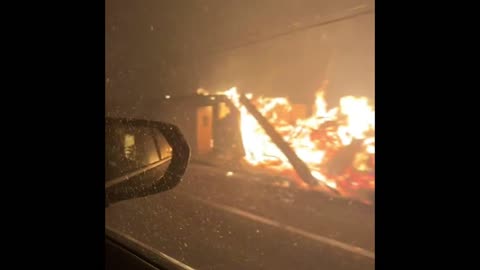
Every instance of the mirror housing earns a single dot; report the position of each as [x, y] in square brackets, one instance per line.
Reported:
[131, 186]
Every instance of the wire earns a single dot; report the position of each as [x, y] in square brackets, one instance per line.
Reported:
[349, 14]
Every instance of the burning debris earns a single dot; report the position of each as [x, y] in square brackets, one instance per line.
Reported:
[300, 167]
[333, 148]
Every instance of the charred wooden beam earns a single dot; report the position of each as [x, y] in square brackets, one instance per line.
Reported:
[300, 167]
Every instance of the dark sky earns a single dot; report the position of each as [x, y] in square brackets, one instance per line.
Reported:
[155, 47]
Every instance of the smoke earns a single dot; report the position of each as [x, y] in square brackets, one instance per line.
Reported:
[297, 64]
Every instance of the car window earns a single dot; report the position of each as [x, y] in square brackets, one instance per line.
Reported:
[128, 149]
[213, 68]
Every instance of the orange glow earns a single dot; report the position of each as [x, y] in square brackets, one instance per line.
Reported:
[316, 139]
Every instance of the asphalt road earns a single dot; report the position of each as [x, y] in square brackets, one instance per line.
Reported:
[220, 220]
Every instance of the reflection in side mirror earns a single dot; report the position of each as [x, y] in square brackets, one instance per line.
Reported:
[142, 158]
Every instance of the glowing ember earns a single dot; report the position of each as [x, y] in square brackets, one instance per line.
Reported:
[338, 145]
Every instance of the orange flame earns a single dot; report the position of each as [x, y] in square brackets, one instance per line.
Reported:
[316, 139]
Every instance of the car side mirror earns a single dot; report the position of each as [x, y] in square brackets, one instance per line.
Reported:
[142, 158]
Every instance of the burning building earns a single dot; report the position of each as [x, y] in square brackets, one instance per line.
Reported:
[330, 150]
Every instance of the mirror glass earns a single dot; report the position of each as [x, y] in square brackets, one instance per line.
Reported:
[164, 148]
[132, 149]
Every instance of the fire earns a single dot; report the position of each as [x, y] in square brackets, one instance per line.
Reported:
[338, 144]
